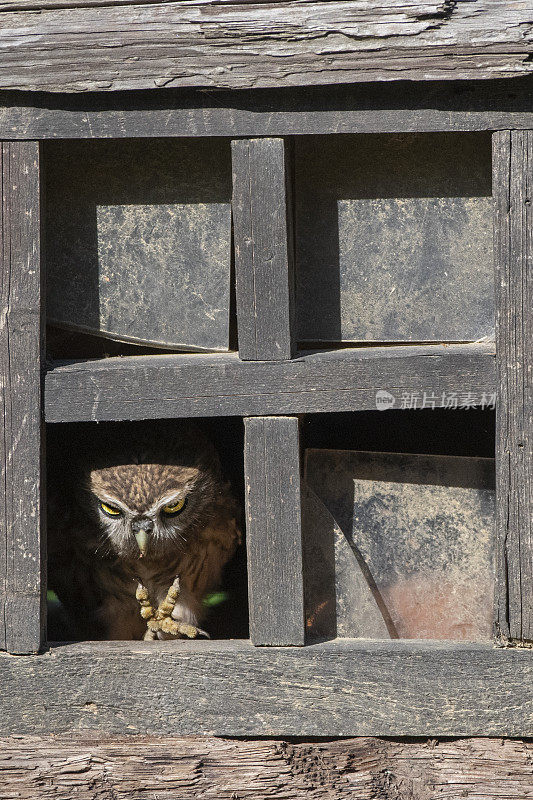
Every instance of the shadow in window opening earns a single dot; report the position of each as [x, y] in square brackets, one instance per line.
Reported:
[138, 241]
[393, 238]
[71, 447]
[399, 545]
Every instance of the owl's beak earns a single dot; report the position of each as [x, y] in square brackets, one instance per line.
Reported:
[141, 528]
[142, 540]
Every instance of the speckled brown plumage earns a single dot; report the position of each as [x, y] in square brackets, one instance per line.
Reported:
[140, 485]
[94, 559]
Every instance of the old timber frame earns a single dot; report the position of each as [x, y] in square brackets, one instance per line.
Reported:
[259, 73]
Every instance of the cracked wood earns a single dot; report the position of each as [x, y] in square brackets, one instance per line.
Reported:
[148, 387]
[345, 687]
[207, 43]
[513, 188]
[21, 545]
[169, 768]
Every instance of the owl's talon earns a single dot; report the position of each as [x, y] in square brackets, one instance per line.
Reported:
[191, 631]
[166, 608]
[141, 592]
[187, 630]
[174, 591]
[159, 623]
[168, 625]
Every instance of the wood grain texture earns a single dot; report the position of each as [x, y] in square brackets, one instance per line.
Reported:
[340, 688]
[400, 106]
[40, 5]
[264, 263]
[21, 444]
[122, 768]
[274, 530]
[242, 45]
[149, 387]
[513, 188]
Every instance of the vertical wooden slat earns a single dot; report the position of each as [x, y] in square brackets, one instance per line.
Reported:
[513, 193]
[22, 555]
[273, 530]
[262, 221]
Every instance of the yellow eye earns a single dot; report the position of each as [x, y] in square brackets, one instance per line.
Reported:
[111, 511]
[174, 508]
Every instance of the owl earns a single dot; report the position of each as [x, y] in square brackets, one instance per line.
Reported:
[132, 504]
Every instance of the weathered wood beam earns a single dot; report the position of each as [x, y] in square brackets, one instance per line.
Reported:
[21, 442]
[231, 688]
[386, 107]
[274, 530]
[40, 5]
[513, 191]
[238, 45]
[264, 250]
[59, 768]
[149, 387]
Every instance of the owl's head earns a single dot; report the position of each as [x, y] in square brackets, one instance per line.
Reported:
[152, 494]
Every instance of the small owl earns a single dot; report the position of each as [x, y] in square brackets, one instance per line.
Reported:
[137, 504]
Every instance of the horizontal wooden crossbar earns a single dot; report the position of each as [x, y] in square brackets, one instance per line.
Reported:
[339, 688]
[402, 107]
[151, 387]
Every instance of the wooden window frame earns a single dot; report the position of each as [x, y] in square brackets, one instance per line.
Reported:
[336, 688]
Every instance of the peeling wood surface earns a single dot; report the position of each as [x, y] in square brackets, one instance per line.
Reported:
[205, 43]
[39, 5]
[21, 545]
[148, 387]
[196, 768]
[513, 187]
[232, 688]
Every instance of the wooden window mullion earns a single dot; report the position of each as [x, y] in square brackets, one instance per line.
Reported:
[513, 193]
[274, 530]
[264, 271]
[22, 550]
[262, 220]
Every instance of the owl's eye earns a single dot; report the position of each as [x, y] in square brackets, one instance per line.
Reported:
[174, 508]
[110, 511]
